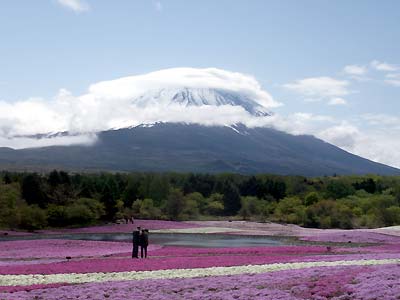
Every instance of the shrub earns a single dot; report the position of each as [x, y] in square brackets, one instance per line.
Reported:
[290, 210]
[9, 195]
[31, 217]
[147, 209]
[57, 216]
[251, 206]
[79, 214]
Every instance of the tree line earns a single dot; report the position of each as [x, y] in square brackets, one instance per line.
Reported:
[60, 199]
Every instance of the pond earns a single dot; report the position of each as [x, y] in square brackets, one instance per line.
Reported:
[171, 239]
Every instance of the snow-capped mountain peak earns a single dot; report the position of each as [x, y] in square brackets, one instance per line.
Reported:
[198, 97]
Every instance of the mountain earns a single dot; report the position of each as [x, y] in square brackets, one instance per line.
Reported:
[197, 148]
[199, 97]
[185, 147]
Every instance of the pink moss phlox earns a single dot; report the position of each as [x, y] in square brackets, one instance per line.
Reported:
[60, 248]
[13, 289]
[275, 250]
[128, 264]
[335, 283]
[354, 236]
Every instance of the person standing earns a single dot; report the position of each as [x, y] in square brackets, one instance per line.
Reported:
[144, 243]
[135, 242]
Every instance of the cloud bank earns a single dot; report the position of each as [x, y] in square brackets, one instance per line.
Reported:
[110, 104]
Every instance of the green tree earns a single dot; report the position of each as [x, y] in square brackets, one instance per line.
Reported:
[231, 199]
[311, 198]
[367, 185]
[32, 191]
[9, 196]
[131, 192]
[96, 207]
[57, 216]
[215, 205]
[145, 209]
[54, 178]
[159, 189]
[291, 210]
[199, 200]
[190, 208]
[251, 206]
[110, 203]
[7, 178]
[79, 214]
[337, 189]
[175, 204]
[31, 217]
[391, 216]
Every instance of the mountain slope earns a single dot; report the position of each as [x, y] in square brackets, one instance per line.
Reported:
[196, 148]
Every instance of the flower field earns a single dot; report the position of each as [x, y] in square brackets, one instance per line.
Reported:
[39, 269]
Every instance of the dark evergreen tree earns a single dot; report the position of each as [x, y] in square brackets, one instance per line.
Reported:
[337, 189]
[201, 183]
[131, 192]
[251, 187]
[7, 178]
[110, 203]
[368, 185]
[278, 190]
[64, 178]
[31, 190]
[158, 189]
[54, 178]
[231, 199]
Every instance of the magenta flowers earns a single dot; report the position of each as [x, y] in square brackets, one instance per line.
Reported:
[38, 269]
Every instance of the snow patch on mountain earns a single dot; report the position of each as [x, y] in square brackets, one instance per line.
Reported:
[198, 97]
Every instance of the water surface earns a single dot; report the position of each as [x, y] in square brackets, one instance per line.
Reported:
[169, 239]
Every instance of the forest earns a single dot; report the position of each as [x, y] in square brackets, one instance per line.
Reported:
[32, 201]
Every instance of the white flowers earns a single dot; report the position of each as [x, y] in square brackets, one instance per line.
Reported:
[73, 278]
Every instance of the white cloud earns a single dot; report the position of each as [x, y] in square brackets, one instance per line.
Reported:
[355, 70]
[319, 88]
[394, 82]
[393, 76]
[382, 120]
[75, 5]
[110, 104]
[343, 135]
[383, 66]
[30, 142]
[377, 144]
[158, 6]
[134, 86]
[337, 101]
[393, 79]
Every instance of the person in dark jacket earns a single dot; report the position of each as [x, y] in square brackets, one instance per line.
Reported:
[135, 242]
[144, 242]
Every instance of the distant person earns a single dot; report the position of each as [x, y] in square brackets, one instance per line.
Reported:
[135, 242]
[132, 220]
[144, 243]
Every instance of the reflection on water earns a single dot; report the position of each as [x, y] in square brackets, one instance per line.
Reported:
[171, 239]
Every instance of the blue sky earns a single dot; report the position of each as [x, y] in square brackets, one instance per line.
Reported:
[297, 50]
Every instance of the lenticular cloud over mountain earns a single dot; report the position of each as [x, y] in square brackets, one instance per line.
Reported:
[210, 78]
[205, 96]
